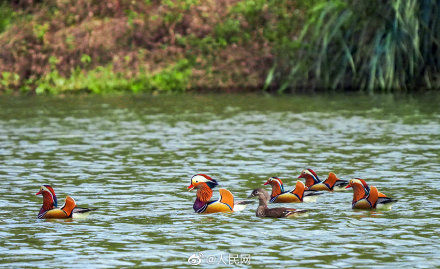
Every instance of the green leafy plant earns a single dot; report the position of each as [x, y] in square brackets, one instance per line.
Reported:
[40, 30]
[9, 81]
[173, 79]
[228, 32]
[103, 79]
[6, 15]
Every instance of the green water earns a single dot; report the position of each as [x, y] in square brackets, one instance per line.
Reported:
[132, 159]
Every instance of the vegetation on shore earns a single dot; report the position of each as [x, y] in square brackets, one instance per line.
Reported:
[54, 46]
[365, 45]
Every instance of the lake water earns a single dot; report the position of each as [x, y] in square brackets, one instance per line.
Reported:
[132, 157]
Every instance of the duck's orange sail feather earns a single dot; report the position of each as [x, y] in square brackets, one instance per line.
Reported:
[299, 190]
[331, 180]
[374, 195]
[226, 197]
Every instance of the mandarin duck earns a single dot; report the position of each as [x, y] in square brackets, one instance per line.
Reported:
[50, 202]
[366, 197]
[203, 204]
[297, 195]
[278, 212]
[330, 184]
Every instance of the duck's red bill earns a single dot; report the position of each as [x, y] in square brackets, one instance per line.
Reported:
[190, 187]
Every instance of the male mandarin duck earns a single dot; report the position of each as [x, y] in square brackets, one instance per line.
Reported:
[50, 202]
[204, 185]
[278, 212]
[330, 184]
[297, 195]
[366, 197]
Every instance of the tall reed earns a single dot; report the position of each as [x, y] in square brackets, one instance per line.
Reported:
[377, 45]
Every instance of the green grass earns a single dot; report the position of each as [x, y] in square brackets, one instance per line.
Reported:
[103, 79]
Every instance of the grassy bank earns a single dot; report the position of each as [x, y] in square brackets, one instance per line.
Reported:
[54, 47]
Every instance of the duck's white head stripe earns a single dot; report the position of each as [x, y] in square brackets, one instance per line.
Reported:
[199, 178]
[204, 178]
[279, 182]
[313, 174]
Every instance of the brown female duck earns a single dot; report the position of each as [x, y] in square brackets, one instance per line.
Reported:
[278, 212]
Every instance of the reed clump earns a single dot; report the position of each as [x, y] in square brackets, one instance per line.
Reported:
[363, 45]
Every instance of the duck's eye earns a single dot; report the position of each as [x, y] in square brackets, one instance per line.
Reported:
[197, 181]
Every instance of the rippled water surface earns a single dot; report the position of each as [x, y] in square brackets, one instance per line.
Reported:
[132, 159]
